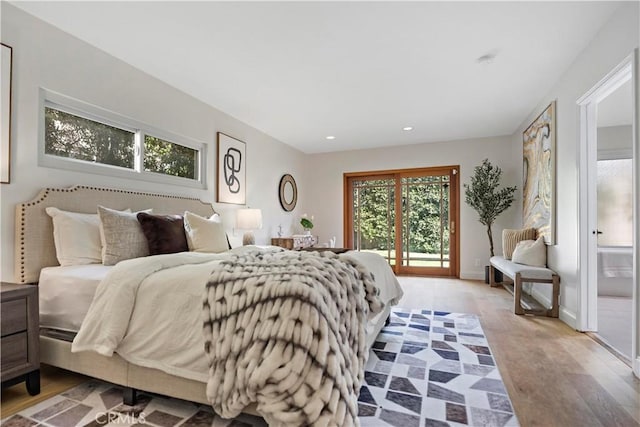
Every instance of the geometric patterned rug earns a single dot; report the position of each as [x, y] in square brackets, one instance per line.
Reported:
[433, 368]
[426, 369]
[97, 403]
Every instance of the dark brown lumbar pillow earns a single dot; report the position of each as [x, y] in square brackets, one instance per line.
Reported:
[164, 233]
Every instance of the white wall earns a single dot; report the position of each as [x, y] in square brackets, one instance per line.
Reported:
[615, 41]
[325, 187]
[44, 56]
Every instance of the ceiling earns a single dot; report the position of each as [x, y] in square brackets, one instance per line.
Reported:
[360, 71]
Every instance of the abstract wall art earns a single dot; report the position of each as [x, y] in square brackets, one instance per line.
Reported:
[539, 175]
[232, 167]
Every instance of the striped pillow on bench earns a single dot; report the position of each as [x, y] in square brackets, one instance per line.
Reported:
[510, 239]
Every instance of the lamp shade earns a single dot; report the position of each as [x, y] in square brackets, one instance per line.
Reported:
[248, 219]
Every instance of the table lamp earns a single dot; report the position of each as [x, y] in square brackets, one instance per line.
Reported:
[249, 220]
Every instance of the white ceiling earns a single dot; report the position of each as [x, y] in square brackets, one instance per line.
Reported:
[361, 71]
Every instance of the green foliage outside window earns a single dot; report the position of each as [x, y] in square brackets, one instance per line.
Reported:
[428, 214]
[74, 137]
[370, 211]
[168, 158]
[425, 200]
[67, 135]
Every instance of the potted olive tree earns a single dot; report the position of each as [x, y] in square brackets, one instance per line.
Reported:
[483, 195]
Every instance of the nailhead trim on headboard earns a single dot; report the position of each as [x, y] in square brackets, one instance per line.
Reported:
[44, 194]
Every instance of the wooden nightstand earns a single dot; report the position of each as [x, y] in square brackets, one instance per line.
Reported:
[19, 346]
[297, 241]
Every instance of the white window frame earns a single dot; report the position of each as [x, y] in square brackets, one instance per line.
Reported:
[91, 112]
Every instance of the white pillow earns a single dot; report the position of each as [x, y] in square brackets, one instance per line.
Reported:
[205, 235]
[76, 237]
[531, 252]
[121, 235]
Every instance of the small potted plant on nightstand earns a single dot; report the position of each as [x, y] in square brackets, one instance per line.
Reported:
[483, 195]
[306, 223]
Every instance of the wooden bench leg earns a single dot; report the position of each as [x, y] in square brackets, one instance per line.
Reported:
[555, 305]
[517, 294]
[492, 276]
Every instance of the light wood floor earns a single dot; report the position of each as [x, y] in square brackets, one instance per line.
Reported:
[52, 381]
[555, 376]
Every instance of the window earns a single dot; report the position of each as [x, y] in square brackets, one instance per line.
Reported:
[615, 202]
[82, 137]
[162, 156]
[78, 138]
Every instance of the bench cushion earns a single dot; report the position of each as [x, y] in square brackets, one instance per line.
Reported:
[526, 271]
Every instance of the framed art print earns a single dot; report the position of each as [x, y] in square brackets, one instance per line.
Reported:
[539, 175]
[232, 167]
[5, 124]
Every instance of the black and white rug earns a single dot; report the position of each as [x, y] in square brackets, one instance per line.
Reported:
[426, 369]
[433, 368]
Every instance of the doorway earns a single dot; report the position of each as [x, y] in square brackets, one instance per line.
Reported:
[608, 217]
[614, 200]
[407, 216]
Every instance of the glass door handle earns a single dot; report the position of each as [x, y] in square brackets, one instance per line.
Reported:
[596, 232]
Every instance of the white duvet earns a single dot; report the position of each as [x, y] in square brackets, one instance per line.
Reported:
[148, 310]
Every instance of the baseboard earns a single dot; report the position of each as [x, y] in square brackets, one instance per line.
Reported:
[566, 315]
[636, 367]
[472, 275]
[537, 295]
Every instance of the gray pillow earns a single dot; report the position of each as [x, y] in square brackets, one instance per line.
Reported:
[121, 235]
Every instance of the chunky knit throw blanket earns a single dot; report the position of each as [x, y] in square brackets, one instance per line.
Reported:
[287, 330]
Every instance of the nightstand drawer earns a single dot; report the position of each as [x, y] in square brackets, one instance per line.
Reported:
[14, 316]
[13, 351]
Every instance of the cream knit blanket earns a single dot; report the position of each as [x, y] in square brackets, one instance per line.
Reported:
[287, 330]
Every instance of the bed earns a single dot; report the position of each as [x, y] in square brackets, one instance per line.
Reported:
[36, 262]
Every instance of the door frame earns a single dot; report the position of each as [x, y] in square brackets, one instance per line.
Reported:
[587, 315]
[454, 238]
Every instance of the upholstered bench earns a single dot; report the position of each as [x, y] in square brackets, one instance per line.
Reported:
[520, 273]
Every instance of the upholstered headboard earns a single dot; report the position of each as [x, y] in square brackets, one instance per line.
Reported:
[34, 228]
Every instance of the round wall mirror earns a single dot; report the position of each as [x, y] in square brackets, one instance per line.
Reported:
[288, 193]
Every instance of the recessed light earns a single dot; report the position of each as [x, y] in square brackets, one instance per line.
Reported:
[407, 128]
[331, 137]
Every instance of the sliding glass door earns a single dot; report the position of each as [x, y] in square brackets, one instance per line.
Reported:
[407, 216]
[426, 224]
[373, 219]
